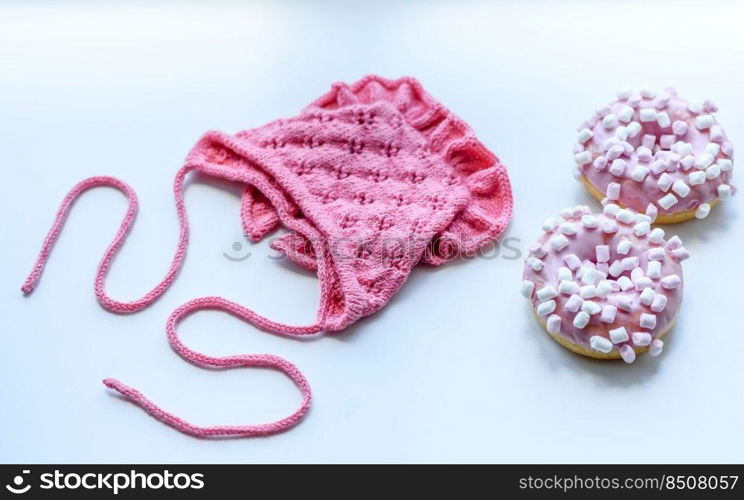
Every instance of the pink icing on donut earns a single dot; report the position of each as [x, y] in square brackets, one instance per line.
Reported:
[660, 150]
[623, 275]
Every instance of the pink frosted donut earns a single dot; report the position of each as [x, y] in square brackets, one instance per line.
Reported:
[605, 285]
[657, 154]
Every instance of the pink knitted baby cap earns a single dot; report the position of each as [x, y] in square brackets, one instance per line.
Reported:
[370, 179]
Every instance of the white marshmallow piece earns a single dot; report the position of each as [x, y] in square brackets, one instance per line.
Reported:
[630, 263]
[568, 228]
[628, 354]
[624, 246]
[633, 128]
[713, 149]
[684, 148]
[680, 254]
[716, 133]
[588, 292]
[713, 172]
[613, 191]
[653, 269]
[604, 288]
[602, 253]
[668, 201]
[644, 153]
[641, 339]
[609, 312]
[625, 114]
[648, 321]
[609, 226]
[617, 168]
[663, 119]
[702, 211]
[564, 274]
[558, 242]
[703, 160]
[656, 236]
[589, 221]
[572, 261]
[647, 296]
[609, 121]
[703, 122]
[652, 212]
[636, 274]
[679, 127]
[535, 264]
[546, 293]
[625, 283]
[664, 182]
[581, 320]
[659, 166]
[656, 347]
[681, 188]
[625, 303]
[696, 178]
[642, 218]
[591, 308]
[619, 335]
[615, 151]
[671, 282]
[639, 173]
[616, 269]
[659, 303]
[538, 251]
[545, 308]
[550, 224]
[674, 242]
[600, 344]
[573, 304]
[583, 158]
[656, 253]
[724, 191]
[725, 164]
[526, 288]
[642, 228]
[644, 282]
[600, 163]
[687, 162]
[625, 216]
[609, 142]
[647, 115]
[590, 276]
[584, 135]
[568, 287]
[624, 93]
[554, 323]
[611, 209]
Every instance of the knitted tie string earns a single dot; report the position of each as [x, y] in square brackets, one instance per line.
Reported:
[108, 257]
[242, 360]
[205, 303]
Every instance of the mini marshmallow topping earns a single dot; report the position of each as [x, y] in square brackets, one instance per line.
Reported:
[657, 155]
[601, 286]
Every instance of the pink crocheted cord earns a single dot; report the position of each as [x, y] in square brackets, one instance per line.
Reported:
[370, 179]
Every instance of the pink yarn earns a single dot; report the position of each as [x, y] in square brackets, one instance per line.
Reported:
[370, 179]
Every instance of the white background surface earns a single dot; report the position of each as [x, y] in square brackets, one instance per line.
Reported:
[454, 368]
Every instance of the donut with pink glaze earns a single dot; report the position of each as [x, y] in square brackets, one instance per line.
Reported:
[605, 285]
[657, 154]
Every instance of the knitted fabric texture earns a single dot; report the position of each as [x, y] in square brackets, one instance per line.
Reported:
[370, 179]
